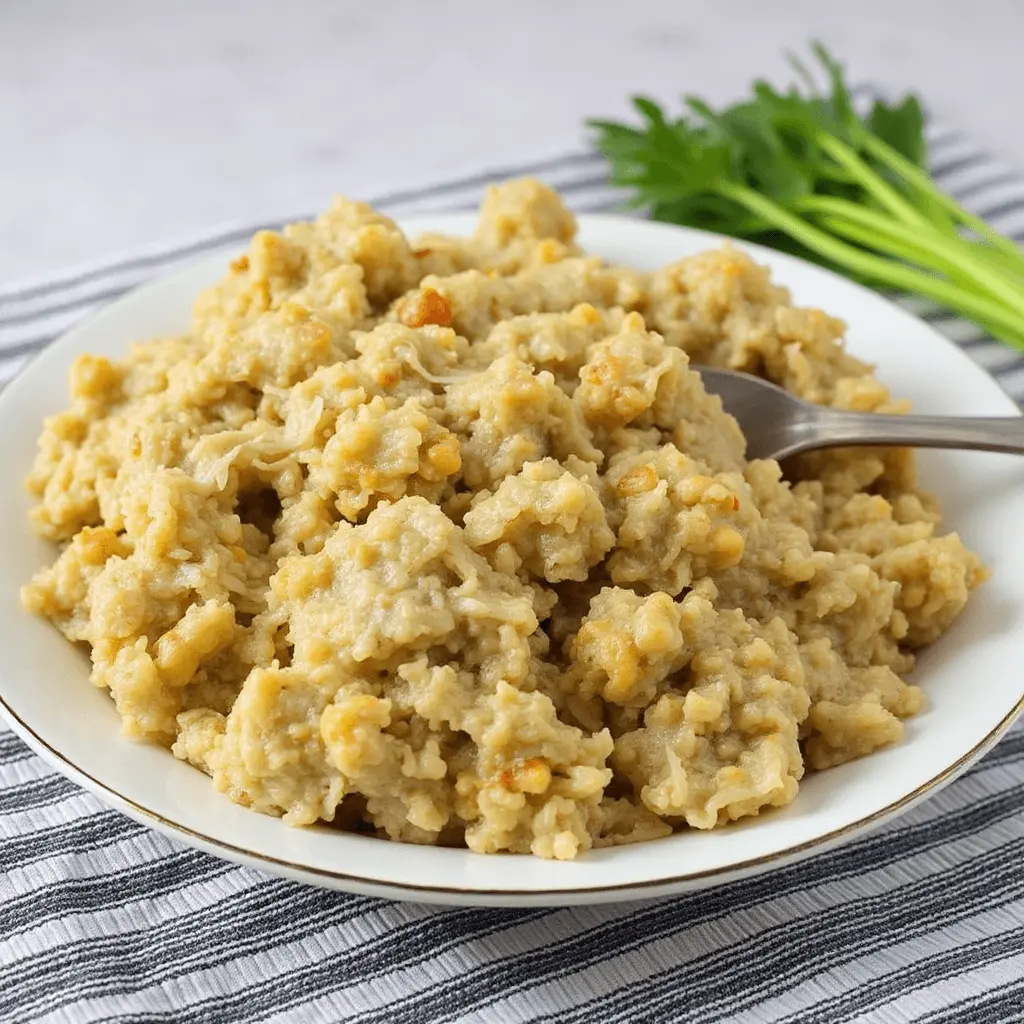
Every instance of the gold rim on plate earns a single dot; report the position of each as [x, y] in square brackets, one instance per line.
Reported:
[232, 852]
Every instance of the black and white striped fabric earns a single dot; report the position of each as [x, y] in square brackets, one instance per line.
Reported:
[104, 920]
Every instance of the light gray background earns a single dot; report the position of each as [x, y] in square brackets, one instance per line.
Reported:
[132, 123]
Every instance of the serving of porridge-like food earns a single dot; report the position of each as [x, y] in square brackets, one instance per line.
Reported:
[443, 540]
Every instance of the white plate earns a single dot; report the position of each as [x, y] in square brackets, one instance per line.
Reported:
[972, 676]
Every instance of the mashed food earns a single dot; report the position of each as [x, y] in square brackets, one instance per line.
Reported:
[444, 541]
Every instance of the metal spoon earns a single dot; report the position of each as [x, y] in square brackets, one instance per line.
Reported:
[776, 423]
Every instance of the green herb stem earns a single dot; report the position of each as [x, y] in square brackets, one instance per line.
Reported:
[891, 243]
[1010, 326]
[883, 152]
[864, 236]
[875, 186]
[924, 246]
[1011, 267]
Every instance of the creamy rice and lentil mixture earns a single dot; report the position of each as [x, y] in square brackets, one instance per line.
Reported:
[443, 539]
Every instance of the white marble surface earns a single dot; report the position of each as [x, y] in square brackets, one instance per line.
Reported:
[125, 123]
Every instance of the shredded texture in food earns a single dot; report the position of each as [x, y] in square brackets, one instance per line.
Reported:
[443, 539]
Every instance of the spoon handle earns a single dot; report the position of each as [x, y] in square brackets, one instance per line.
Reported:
[982, 433]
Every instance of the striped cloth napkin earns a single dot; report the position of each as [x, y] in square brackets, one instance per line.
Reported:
[104, 920]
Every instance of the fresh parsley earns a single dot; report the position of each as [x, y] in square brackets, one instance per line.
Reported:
[803, 171]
